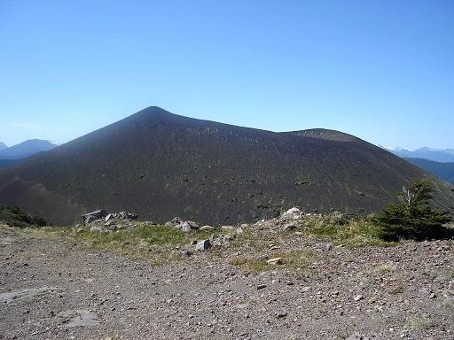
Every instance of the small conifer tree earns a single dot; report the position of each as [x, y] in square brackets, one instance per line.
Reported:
[412, 216]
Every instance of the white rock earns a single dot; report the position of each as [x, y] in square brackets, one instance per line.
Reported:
[274, 261]
[203, 245]
[292, 214]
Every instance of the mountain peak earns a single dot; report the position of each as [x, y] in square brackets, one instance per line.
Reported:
[155, 110]
[153, 115]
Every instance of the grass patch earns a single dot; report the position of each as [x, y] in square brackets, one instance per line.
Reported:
[351, 231]
[251, 240]
[159, 243]
[251, 264]
[294, 259]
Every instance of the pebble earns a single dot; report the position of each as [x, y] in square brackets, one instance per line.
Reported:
[281, 314]
[358, 297]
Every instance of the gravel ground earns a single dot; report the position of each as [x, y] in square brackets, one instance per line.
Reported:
[55, 288]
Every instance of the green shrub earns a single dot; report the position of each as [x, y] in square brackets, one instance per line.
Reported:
[16, 217]
[412, 216]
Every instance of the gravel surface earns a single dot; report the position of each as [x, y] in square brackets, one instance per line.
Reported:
[55, 288]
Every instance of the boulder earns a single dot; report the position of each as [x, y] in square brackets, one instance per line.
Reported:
[187, 226]
[128, 215]
[174, 222]
[203, 245]
[184, 227]
[291, 214]
[93, 216]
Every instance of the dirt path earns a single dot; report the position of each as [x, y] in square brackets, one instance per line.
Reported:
[52, 288]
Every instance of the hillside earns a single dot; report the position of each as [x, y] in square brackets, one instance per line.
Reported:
[162, 165]
[5, 163]
[443, 170]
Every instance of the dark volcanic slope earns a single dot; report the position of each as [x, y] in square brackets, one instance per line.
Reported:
[161, 165]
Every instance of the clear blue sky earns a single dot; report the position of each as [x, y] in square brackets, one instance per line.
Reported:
[381, 70]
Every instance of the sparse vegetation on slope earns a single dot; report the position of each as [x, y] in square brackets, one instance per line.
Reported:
[16, 217]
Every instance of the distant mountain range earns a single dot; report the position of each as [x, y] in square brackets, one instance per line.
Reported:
[162, 165]
[10, 156]
[25, 149]
[438, 162]
[443, 156]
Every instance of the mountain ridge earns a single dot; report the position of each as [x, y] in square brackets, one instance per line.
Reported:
[437, 155]
[25, 149]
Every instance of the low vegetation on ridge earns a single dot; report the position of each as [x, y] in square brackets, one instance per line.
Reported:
[286, 237]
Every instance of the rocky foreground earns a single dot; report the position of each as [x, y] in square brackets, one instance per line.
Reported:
[279, 284]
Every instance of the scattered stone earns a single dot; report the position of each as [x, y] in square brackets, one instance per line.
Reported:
[306, 289]
[261, 258]
[185, 253]
[102, 218]
[281, 315]
[98, 230]
[174, 222]
[358, 297]
[228, 238]
[207, 227]
[290, 226]
[291, 214]
[93, 216]
[128, 215]
[187, 226]
[275, 261]
[203, 245]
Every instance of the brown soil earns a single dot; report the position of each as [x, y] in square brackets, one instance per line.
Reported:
[52, 287]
